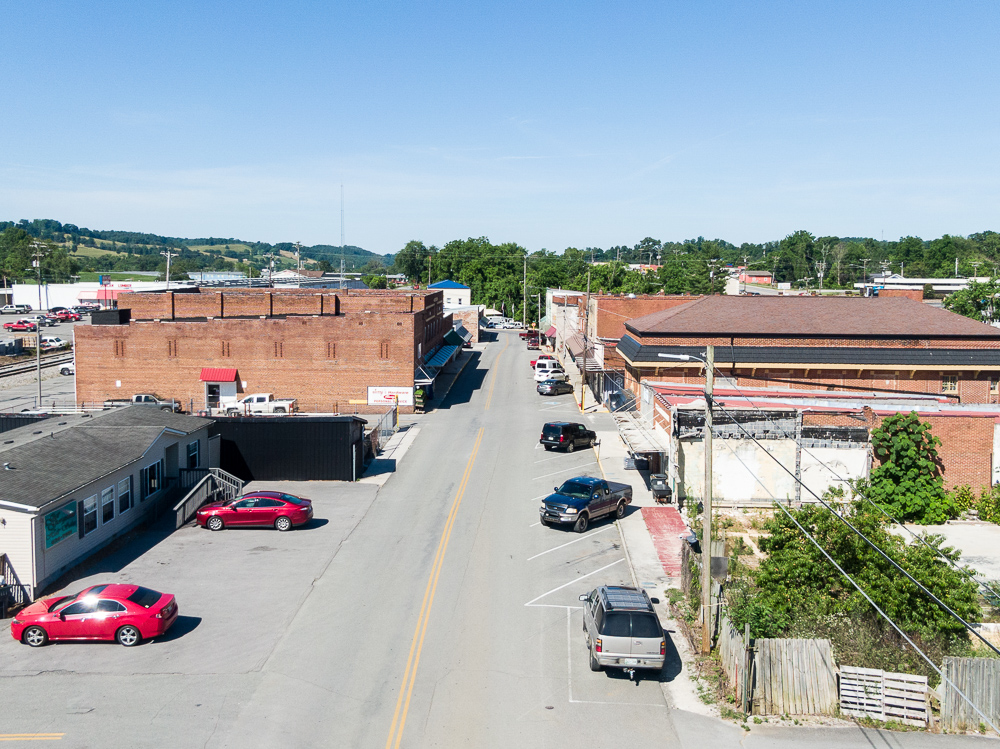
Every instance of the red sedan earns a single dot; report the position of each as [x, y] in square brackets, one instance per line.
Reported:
[127, 614]
[270, 509]
[20, 325]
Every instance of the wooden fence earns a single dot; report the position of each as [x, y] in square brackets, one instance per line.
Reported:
[795, 677]
[869, 692]
[979, 680]
[737, 661]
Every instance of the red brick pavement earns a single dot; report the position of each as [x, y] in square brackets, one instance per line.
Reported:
[665, 526]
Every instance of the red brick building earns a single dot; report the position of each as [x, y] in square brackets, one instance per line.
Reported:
[888, 345]
[332, 350]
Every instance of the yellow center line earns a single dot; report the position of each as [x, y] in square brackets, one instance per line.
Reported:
[31, 736]
[493, 383]
[416, 646]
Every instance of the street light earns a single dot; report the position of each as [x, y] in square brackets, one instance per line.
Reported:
[706, 522]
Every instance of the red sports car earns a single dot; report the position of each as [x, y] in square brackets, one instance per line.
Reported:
[271, 509]
[128, 614]
[20, 325]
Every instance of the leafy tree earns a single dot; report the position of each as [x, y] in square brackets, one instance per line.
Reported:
[375, 282]
[412, 259]
[978, 301]
[324, 265]
[908, 482]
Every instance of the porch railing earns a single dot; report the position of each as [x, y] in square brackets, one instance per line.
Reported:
[205, 485]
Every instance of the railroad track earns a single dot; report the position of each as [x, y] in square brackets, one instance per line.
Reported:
[9, 370]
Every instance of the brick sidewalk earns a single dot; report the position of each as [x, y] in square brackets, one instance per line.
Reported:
[665, 526]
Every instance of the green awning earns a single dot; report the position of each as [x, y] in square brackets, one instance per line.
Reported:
[453, 338]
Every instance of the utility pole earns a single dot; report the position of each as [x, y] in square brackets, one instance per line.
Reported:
[298, 259]
[746, 266]
[168, 254]
[706, 525]
[586, 324]
[37, 263]
[341, 235]
[524, 291]
[864, 269]
[538, 312]
[820, 270]
[956, 267]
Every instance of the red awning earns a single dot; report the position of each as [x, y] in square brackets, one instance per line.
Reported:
[551, 332]
[107, 295]
[218, 374]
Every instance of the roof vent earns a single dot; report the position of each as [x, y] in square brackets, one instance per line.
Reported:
[6, 467]
[8, 442]
[61, 424]
[38, 432]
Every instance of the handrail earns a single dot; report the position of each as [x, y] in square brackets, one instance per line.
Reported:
[215, 482]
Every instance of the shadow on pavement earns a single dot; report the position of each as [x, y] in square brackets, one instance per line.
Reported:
[466, 384]
[671, 667]
[182, 626]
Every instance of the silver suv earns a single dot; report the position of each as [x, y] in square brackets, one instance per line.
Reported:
[622, 630]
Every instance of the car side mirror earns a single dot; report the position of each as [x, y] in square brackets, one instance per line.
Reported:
[584, 597]
[654, 600]
[62, 616]
[555, 488]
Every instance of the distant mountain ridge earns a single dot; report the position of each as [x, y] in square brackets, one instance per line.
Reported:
[142, 243]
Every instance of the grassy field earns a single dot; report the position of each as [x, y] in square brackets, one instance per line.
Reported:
[92, 251]
[117, 276]
[217, 247]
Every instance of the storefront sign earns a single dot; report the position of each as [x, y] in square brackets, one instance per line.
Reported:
[390, 396]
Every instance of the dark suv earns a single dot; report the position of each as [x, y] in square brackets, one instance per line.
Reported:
[622, 629]
[567, 436]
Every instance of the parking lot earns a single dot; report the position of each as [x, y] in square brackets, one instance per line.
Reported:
[237, 591]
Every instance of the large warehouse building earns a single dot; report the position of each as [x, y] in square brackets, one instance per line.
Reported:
[333, 351]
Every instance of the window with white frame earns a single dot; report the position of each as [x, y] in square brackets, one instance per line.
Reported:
[108, 505]
[194, 454]
[88, 512]
[125, 500]
[949, 384]
[994, 385]
[150, 480]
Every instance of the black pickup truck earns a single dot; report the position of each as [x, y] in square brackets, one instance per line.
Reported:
[583, 499]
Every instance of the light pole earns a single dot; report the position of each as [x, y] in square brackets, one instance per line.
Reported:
[706, 522]
[168, 254]
[37, 266]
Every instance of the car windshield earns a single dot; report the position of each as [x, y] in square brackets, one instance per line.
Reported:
[550, 430]
[65, 601]
[646, 625]
[145, 597]
[575, 489]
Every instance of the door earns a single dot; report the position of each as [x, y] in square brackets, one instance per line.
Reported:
[608, 501]
[212, 394]
[73, 621]
[106, 620]
[266, 511]
[241, 513]
[647, 634]
[582, 436]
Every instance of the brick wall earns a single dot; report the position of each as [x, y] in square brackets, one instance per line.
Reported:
[726, 342]
[322, 359]
[916, 295]
[609, 313]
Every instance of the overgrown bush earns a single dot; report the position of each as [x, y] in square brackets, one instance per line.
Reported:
[986, 504]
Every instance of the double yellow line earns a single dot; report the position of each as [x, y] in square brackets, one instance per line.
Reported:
[493, 382]
[410, 675]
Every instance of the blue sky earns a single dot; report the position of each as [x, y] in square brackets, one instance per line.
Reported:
[549, 124]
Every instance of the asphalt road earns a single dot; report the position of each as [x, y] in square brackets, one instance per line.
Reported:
[441, 614]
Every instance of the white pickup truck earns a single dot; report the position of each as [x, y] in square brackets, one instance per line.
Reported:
[262, 403]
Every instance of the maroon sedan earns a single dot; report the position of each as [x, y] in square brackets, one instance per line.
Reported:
[271, 509]
[127, 614]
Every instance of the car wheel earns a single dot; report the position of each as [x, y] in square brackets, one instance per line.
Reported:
[571, 447]
[279, 410]
[166, 408]
[581, 524]
[65, 371]
[128, 636]
[593, 441]
[283, 524]
[595, 665]
[35, 637]
[215, 523]
[620, 510]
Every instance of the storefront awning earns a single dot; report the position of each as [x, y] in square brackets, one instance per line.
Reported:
[551, 332]
[453, 338]
[424, 375]
[575, 345]
[443, 356]
[218, 374]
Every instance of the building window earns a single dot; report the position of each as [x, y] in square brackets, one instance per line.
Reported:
[331, 350]
[225, 349]
[150, 480]
[119, 347]
[88, 515]
[108, 505]
[125, 495]
[994, 385]
[194, 454]
[949, 384]
[279, 349]
[60, 524]
[171, 348]
[384, 350]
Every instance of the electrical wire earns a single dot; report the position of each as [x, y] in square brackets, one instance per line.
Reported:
[860, 590]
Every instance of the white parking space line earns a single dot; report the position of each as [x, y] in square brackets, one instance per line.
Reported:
[569, 673]
[571, 468]
[546, 460]
[575, 540]
[540, 496]
[574, 580]
[534, 524]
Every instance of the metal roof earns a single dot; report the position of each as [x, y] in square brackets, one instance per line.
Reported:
[447, 285]
[218, 374]
[442, 356]
[847, 356]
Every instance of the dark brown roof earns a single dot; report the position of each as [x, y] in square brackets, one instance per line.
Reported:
[778, 316]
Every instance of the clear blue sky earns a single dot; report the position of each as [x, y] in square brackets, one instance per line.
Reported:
[549, 124]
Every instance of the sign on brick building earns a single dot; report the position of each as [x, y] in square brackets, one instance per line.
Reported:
[390, 396]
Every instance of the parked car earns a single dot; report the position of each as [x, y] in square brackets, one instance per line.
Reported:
[146, 399]
[65, 315]
[15, 309]
[57, 310]
[262, 403]
[43, 320]
[584, 499]
[53, 342]
[263, 509]
[85, 309]
[68, 369]
[550, 373]
[567, 435]
[27, 325]
[542, 357]
[554, 387]
[622, 629]
[127, 614]
[547, 365]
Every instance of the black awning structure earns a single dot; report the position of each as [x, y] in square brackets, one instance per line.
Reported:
[424, 374]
